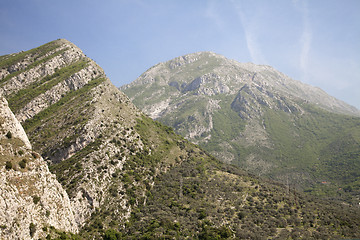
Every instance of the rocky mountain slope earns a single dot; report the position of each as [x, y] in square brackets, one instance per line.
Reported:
[31, 199]
[258, 118]
[80, 123]
[130, 177]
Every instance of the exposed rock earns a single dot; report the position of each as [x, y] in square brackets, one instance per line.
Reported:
[10, 125]
[30, 196]
[71, 54]
[261, 119]
[53, 95]
[67, 115]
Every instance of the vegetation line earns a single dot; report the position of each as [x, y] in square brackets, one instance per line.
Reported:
[22, 97]
[32, 65]
[34, 121]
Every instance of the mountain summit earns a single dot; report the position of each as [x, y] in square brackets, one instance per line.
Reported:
[125, 175]
[255, 117]
[207, 73]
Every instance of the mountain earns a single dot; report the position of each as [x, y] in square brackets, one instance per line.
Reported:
[31, 198]
[255, 117]
[129, 177]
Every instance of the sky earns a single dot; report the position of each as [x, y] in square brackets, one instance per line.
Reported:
[313, 41]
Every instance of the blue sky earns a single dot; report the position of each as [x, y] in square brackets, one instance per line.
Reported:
[314, 41]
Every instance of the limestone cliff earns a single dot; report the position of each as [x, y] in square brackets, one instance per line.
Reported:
[80, 123]
[10, 126]
[31, 199]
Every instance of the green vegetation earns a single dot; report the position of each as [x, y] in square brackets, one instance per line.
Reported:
[53, 109]
[22, 163]
[73, 167]
[327, 145]
[8, 134]
[36, 199]
[24, 96]
[32, 229]
[8, 165]
[55, 234]
[38, 52]
[194, 198]
[35, 63]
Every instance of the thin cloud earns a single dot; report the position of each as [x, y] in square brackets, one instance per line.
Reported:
[212, 13]
[251, 35]
[305, 40]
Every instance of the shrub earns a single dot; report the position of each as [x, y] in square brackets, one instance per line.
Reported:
[9, 135]
[111, 234]
[35, 155]
[32, 229]
[36, 199]
[8, 165]
[22, 163]
[202, 214]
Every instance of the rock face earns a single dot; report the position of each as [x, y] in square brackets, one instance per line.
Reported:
[30, 196]
[252, 116]
[77, 120]
[125, 175]
[207, 73]
[10, 126]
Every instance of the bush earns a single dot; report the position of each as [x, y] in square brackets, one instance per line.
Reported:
[22, 163]
[36, 199]
[202, 214]
[8, 165]
[32, 229]
[111, 234]
[9, 135]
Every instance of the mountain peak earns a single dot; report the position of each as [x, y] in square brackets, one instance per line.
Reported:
[218, 70]
[123, 171]
[250, 115]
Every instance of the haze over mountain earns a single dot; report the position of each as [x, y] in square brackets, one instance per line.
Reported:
[255, 117]
[125, 175]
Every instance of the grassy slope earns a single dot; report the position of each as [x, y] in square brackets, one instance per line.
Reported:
[174, 188]
[306, 149]
[203, 198]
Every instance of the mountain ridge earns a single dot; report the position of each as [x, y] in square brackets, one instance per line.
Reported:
[251, 115]
[282, 81]
[130, 177]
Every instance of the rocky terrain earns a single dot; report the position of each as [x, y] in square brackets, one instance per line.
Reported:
[129, 177]
[71, 111]
[31, 199]
[256, 117]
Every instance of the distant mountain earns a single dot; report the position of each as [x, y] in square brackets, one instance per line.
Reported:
[129, 177]
[258, 118]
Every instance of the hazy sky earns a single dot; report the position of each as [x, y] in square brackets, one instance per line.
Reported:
[314, 41]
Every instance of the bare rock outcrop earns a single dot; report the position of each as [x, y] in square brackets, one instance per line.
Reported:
[10, 127]
[31, 199]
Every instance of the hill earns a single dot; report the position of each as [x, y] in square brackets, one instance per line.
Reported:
[130, 177]
[255, 117]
